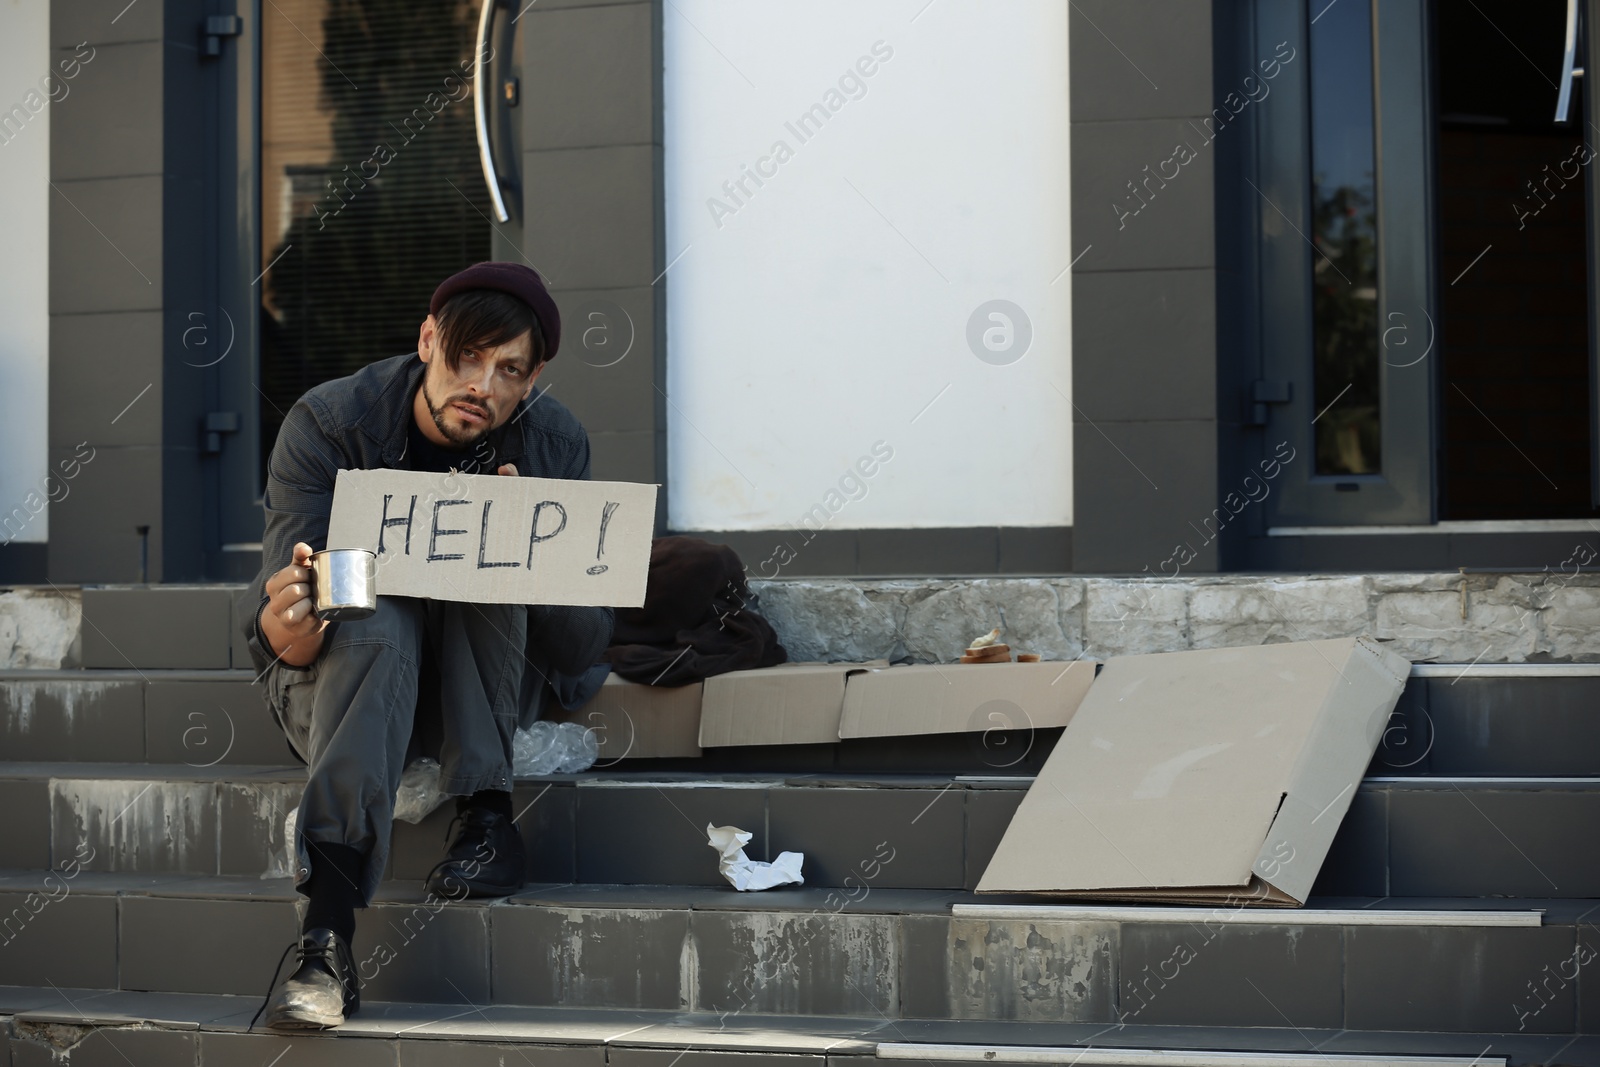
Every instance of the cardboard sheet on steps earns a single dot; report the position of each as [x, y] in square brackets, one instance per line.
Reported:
[1212, 776]
[934, 698]
[634, 721]
[790, 704]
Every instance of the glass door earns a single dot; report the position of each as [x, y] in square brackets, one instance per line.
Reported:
[1513, 223]
[367, 129]
[371, 184]
[1348, 276]
[1429, 286]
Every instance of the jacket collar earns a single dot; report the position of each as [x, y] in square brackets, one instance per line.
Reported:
[388, 421]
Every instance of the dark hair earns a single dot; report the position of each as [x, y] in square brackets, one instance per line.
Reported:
[485, 318]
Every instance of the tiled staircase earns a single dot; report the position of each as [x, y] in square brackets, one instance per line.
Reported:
[1452, 919]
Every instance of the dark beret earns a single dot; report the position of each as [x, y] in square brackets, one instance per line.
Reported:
[514, 278]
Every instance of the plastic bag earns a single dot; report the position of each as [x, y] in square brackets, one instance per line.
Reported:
[553, 748]
[419, 791]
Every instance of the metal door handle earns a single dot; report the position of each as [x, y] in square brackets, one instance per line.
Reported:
[1569, 70]
[480, 111]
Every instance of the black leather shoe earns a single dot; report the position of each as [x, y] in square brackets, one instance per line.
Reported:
[485, 859]
[323, 990]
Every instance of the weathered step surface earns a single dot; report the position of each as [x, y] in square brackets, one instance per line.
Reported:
[1533, 720]
[1527, 720]
[191, 717]
[86, 1027]
[890, 954]
[164, 626]
[91, 1027]
[1403, 836]
[1469, 837]
[590, 828]
[210, 718]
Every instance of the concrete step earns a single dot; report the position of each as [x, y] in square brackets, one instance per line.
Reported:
[1403, 836]
[164, 626]
[206, 718]
[1417, 966]
[611, 827]
[198, 718]
[1497, 719]
[1522, 720]
[87, 1027]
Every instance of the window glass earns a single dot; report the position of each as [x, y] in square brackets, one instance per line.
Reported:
[1344, 232]
[371, 192]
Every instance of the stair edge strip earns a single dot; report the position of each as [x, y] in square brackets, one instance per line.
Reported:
[1093, 1056]
[1251, 916]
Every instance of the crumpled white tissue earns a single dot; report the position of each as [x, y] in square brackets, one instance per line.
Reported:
[744, 873]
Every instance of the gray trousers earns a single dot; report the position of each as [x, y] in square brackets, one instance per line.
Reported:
[350, 715]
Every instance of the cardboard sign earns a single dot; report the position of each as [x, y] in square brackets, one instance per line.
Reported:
[493, 539]
[1207, 776]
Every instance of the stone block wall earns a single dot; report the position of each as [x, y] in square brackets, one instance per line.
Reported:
[1442, 618]
[1445, 618]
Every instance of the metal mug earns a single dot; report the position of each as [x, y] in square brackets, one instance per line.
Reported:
[344, 584]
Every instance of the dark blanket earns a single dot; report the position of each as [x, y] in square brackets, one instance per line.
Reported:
[698, 618]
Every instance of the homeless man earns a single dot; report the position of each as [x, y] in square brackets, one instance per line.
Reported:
[355, 697]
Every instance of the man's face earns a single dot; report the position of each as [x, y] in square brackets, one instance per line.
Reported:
[457, 409]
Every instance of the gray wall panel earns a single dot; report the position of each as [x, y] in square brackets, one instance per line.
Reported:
[1141, 58]
[1144, 330]
[606, 369]
[105, 245]
[625, 457]
[593, 200]
[102, 127]
[104, 21]
[92, 535]
[1122, 205]
[1146, 343]
[99, 366]
[587, 75]
[591, 215]
[1141, 490]
[108, 255]
[132, 229]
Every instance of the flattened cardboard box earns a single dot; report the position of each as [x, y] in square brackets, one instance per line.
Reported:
[963, 697]
[1205, 776]
[635, 721]
[790, 704]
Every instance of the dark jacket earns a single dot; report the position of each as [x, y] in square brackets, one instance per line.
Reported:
[359, 423]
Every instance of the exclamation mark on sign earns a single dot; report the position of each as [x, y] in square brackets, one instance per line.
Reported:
[600, 550]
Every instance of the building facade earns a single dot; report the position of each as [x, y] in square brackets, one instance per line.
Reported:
[1161, 286]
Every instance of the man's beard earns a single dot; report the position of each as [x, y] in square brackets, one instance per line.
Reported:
[452, 434]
